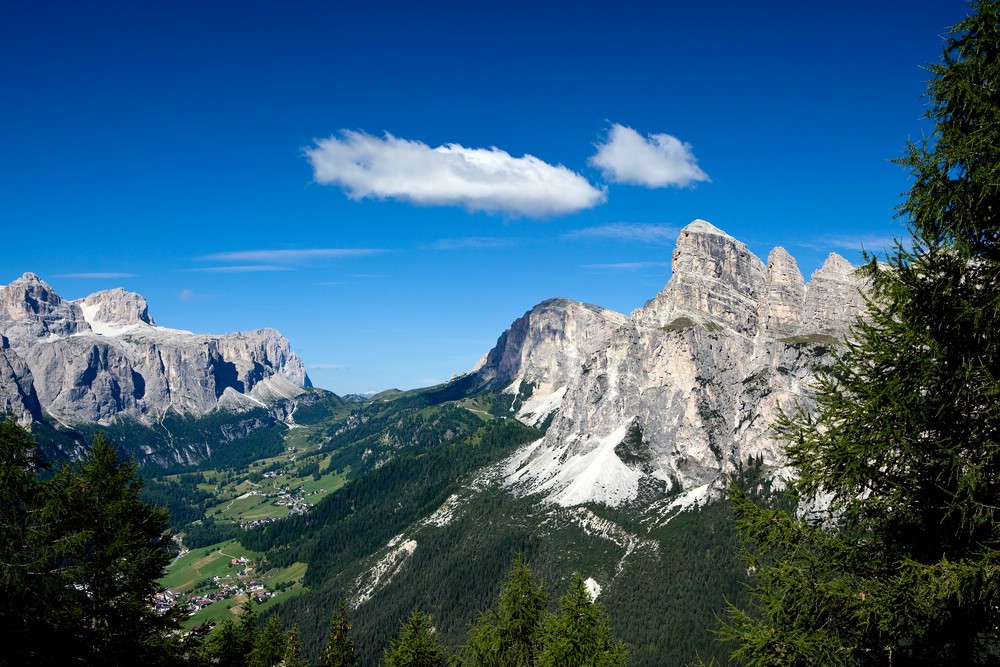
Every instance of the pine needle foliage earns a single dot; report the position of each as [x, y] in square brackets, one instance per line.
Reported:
[893, 556]
[416, 645]
[508, 635]
[579, 634]
[339, 649]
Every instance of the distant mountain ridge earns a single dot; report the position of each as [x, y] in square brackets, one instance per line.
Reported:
[102, 357]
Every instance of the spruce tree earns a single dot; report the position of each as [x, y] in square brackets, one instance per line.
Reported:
[894, 553]
[293, 650]
[269, 645]
[508, 636]
[80, 555]
[109, 548]
[339, 649]
[416, 645]
[579, 634]
[25, 588]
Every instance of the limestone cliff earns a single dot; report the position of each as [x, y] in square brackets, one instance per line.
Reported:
[687, 387]
[102, 356]
[542, 351]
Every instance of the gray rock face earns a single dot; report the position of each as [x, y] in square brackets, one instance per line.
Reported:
[116, 307]
[17, 391]
[100, 357]
[544, 350]
[687, 388]
[30, 310]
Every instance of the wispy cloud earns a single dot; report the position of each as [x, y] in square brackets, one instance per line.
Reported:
[628, 231]
[626, 266]
[326, 367]
[290, 256]
[98, 275]
[246, 268]
[478, 179]
[654, 161]
[473, 243]
[190, 296]
[869, 242]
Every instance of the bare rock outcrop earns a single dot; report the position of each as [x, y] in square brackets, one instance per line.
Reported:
[543, 351]
[30, 310]
[17, 390]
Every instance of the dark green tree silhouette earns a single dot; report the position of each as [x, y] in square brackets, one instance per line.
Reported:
[508, 635]
[269, 644]
[80, 557]
[233, 643]
[416, 645]
[579, 634]
[339, 649]
[293, 650]
[894, 554]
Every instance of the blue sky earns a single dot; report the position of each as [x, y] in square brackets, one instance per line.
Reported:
[392, 184]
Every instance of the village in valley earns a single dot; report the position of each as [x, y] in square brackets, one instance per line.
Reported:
[214, 581]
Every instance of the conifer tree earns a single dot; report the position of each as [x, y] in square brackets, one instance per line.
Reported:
[416, 645]
[897, 559]
[269, 644]
[339, 649]
[293, 649]
[80, 555]
[110, 548]
[24, 587]
[233, 644]
[508, 636]
[579, 634]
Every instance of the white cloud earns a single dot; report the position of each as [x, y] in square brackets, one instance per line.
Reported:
[655, 161]
[289, 256]
[479, 179]
[189, 296]
[629, 231]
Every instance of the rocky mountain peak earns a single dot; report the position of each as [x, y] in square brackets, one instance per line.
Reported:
[715, 279]
[548, 343]
[836, 266]
[115, 307]
[826, 310]
[687, 389]
[30, 309]
[781, 306]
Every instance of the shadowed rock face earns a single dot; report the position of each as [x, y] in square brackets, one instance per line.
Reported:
[102, 356]
[689, 385]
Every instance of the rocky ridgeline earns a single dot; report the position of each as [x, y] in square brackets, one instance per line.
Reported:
[684, 389]
[96, 358]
